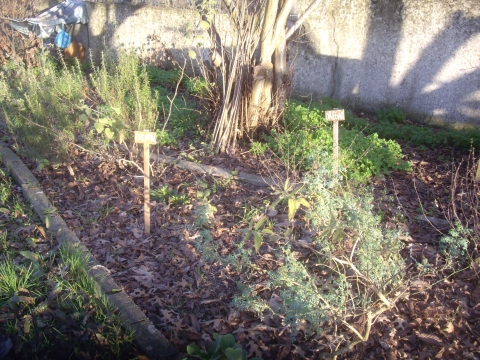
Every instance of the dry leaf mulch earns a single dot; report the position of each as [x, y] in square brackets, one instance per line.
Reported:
[189, 299]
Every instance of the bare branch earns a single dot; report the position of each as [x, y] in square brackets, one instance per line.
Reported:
[282, 20]
[232, 9]
[266, 47]
[302, 18]
[372, 286]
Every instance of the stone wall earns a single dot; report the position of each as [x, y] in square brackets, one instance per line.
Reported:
[422, 56]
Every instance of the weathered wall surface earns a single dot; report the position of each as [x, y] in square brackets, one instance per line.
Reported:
[422, 56]
[158, 34]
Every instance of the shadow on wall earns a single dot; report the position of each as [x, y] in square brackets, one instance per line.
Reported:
[153, 32]
[388, 74]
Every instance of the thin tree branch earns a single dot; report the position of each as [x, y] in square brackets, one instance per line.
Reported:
[373, 287]
[302, 18]
[233, 11]
[281, 20]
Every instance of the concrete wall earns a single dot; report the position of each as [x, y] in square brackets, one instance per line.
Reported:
[422, 56]
[160, 35]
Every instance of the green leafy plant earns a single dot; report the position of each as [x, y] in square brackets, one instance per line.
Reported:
[256, 231]
[42, 163]
[181, 116]
[179, 199]
[391, 115]
[307, 142]
[392, 125]
[223, 348]
[161, 194]
[258, 148]
[290, 193]
[169, 196]
[198, 86]
[163, 77]
[110, 126]
[455, 244]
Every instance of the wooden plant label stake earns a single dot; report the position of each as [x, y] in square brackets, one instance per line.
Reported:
[477, 175]
[146, 138]
[335, 115]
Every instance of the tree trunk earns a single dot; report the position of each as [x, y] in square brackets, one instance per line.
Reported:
[279, 74]
[261, 97]
[249, 104]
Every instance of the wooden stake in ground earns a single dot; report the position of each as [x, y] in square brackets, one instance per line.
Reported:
[146, 138]
[335, 115]
[477, 176]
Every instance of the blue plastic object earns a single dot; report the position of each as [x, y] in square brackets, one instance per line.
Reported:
[63, 39]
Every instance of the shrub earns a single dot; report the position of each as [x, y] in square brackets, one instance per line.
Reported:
[43, 107]
[307, 141]
[353, 270]
[124, 89]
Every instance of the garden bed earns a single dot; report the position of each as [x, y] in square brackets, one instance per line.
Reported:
[188, 294]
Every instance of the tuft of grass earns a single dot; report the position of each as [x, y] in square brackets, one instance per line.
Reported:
[54, 309]
[15, 280]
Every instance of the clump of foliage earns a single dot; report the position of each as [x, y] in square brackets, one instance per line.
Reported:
[169, 196]
[354, 270]
[124, 88]
[163, 77]
[180, 118]
[198, 86]
[455, 244]
[43, 106]
[392, 125]
[178, 114]
[391, 115]
[223, 348]
[307, 136]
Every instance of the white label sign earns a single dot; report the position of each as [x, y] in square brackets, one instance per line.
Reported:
[146, 137]
[335, 115]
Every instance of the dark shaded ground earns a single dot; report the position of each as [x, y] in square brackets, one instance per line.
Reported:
[189, 298]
